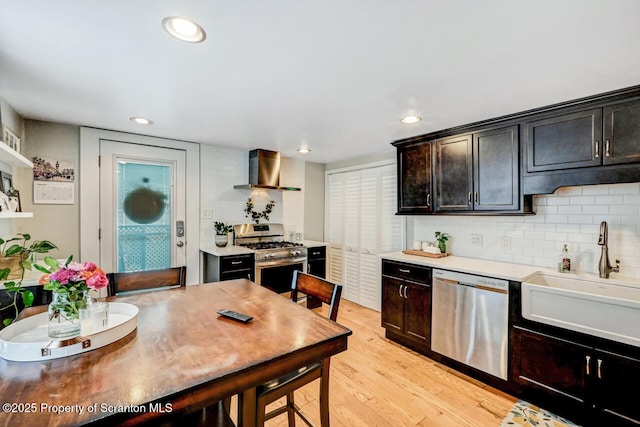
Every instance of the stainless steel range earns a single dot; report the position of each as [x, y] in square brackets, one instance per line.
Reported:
[276, 259]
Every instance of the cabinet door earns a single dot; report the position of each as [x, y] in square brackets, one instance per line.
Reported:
[564, 142]
[317, 261]
[454, 174]
[496, 175]
[392, 304]
[622, 133]
[614, 374]
[417, 311]
[414, 178]
[550, 365]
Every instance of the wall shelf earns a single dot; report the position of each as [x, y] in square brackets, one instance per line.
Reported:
[13, 158]
[16, 215]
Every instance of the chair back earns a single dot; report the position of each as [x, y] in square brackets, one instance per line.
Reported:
[319, 288]
[151, 280]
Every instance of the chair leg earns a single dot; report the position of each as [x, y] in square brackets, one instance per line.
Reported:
[291, 413]
[324, 394]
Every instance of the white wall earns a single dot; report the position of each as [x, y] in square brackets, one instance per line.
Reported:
[58, 142]
[571, 215]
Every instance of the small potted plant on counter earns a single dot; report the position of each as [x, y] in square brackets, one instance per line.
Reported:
[442, 238]
[222, 233]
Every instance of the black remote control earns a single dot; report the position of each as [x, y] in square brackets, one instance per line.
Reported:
[244, 318]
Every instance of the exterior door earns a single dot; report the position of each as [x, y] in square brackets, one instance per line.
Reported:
[142, 207]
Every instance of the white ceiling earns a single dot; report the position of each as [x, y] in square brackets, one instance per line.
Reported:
[335, 75]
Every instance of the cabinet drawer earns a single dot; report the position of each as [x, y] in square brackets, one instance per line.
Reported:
[238, 262]
[319, 252]
[405, 271]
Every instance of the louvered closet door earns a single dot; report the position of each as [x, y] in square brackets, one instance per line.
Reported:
[335, 226]
[350, 282]
[362, 224]
[367, 263]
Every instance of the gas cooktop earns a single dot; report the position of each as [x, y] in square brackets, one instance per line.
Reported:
[271, 245]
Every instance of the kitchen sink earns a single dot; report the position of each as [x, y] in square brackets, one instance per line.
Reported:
[597, 307]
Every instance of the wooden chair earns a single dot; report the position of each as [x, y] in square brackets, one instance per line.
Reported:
[151, 280]
[329, 293]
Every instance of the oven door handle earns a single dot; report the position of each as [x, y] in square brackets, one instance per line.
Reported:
[280, 262]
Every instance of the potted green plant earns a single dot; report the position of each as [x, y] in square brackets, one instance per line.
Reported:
[15, 258]
[222, 233]
[442, 238]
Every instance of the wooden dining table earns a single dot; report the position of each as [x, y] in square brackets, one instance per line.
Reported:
[181, 358]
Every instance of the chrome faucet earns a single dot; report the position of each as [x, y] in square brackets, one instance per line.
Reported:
[604, 266]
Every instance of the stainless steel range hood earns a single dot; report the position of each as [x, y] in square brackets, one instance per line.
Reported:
[264, 172]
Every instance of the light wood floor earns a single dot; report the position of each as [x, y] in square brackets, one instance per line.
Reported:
[379, 383]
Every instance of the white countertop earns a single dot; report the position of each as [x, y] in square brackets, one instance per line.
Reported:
[212, 249]
[500, 270]
[313, 244]
[31, 278]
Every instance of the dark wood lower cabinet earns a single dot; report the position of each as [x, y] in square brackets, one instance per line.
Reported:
[228, 267]
[590, 385]
[406, 302]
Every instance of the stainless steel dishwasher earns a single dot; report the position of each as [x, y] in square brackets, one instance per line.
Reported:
[470, 320]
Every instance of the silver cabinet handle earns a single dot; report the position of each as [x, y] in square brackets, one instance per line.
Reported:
[405, 291]
[475, 197]
[404, 271]
[607, 148]
[599, 369]
[597, 148]
[469, 197]
[588, 360]
[308, 268]
[428, 200]
[236, 262]
[179, 243]
[400, 291]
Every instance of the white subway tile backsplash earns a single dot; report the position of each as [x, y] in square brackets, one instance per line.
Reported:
[571, 215]
[609, 200]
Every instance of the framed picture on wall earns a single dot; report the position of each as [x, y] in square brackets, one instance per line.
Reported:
[6, 182]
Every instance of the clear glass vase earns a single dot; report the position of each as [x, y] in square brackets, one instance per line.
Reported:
[64, 314]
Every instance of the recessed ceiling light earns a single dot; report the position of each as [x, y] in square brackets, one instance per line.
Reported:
[184, 29]
[303, 150]
[408, 120]
[141, 121]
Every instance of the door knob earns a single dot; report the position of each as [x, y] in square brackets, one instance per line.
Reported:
[180, 243]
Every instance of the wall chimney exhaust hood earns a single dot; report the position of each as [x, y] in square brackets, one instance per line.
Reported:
[264, 172]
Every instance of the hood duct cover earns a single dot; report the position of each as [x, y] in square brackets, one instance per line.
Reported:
[264, 171]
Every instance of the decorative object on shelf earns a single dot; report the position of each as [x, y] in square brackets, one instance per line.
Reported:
[222, 233]
[442, 238]
[10, 138]
[255, 216]
[14, 200]
[6, 182]
[70, 285]
[15, 258]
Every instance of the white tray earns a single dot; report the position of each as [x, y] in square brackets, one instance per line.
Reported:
[27, 339]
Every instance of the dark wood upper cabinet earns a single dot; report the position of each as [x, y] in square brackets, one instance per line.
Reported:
[414, 178]
[487, 167]
[478, 172]
[622, 133]
[565, 141]
[496, 176]
[454, 174]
